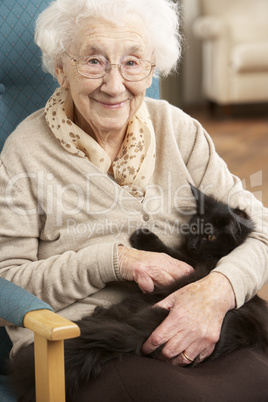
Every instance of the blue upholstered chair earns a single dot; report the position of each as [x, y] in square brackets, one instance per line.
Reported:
[25, 88]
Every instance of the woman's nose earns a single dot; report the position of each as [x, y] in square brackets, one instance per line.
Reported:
[113, 82]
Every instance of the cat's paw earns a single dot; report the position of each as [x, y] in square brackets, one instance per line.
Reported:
[142, 238]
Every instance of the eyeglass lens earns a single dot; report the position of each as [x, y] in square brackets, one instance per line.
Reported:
[131, 69]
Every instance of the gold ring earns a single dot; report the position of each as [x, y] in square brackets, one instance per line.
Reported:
[187, 357]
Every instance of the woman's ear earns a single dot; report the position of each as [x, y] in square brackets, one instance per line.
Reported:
[62, 77]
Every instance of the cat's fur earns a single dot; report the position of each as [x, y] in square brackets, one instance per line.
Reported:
[213, 232]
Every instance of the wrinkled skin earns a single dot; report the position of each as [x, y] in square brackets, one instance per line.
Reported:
[196, 311]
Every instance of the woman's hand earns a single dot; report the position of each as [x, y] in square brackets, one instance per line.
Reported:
[194, 323]
[150, 269]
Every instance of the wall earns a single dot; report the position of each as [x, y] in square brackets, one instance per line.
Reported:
[192, 57]
[185, 87]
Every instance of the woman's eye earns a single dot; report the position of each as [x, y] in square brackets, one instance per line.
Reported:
[131, 62]
[93, 61]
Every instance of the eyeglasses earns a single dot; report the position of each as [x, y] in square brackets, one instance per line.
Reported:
[130, 68]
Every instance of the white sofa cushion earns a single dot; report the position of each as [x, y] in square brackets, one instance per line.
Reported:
[250, 57]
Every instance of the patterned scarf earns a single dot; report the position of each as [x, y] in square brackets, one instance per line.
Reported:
[134, 164]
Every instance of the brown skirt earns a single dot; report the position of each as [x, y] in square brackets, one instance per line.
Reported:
[239, 377]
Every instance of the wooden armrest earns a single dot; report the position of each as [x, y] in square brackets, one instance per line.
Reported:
[50, 330]
[50, 325]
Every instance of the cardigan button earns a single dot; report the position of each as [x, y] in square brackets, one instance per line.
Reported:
[146, 217]
[2, 89]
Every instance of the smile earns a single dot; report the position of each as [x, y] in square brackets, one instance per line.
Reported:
[117, 105]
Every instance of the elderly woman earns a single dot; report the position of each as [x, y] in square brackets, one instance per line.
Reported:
[101, 160]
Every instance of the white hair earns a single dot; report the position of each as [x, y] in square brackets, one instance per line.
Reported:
[57, 25]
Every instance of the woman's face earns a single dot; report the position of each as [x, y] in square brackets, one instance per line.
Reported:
[106, 104]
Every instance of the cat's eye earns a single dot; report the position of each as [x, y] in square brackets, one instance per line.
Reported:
[194, 228]
[211, 237]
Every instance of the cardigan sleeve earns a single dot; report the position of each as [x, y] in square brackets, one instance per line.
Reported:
[247, 266]
[21, 224]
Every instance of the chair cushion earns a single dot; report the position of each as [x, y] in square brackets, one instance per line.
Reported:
[250, 57]
[212, 7]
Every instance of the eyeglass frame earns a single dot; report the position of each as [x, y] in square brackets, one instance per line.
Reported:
[109, 68]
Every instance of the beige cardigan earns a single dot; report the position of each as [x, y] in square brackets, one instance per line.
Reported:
[62, 219]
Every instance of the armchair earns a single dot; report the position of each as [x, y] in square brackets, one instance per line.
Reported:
[234, 36]
[19, 307]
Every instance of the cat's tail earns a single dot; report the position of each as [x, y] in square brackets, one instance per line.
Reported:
[85, 356]
[21, 374]
[246, 327]
[104, 340]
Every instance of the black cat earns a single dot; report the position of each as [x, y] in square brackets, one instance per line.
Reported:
[213, 232]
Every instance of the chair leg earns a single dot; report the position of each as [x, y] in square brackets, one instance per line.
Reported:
[217, 110]
[49, 370]
[212, 108]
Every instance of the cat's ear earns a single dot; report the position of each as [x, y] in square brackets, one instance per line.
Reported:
[244, 219]
[234, 227]
[199, 199]
[241, 223]
[241, 214]
[194, 190]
